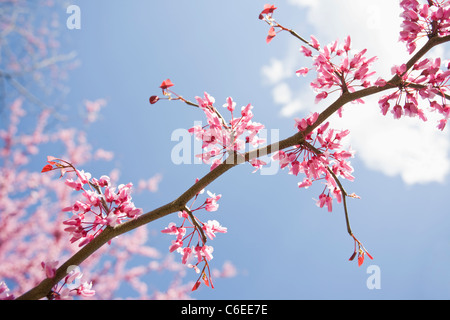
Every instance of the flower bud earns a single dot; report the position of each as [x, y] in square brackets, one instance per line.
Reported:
[153, 99]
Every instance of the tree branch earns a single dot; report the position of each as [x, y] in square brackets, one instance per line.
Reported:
[43, 289]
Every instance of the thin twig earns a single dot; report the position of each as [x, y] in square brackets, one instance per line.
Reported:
[196, 224]
[338, 182]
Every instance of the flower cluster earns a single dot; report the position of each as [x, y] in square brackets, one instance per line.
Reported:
[426, 81]
[102, 205]
[352, 70]
[220, 137]
[191, 237]
[71, 286]
[420, 20]
[321, 157]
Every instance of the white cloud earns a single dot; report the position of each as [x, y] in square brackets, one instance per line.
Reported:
[282, 93]
[292, 107]
[417, 152]
[275, 72]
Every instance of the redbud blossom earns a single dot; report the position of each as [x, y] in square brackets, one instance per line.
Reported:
[271, 34]
[193, 243]
[315, 166]
[220, 137]
[268, 10]
[98, 208]
[166, 84]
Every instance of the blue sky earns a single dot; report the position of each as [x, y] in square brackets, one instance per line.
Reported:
[283, 246]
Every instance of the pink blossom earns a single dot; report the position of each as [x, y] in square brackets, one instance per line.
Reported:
[230, 105]
[325, 200]
[302, 71]
[211, 202]
[186, 254]
[85, 290]
[268, 10]
[398, 70]
[4, 292]
[315, 42]
[166, 84]
[271, 34]
[207, 251]
[397, 111]
[49, 268]
[211, 227]
[347, 44]
[380, 82]
[320, 96]
[442, 124]
[76, 185]
[175, 245]
[305, 183]
[307, 52]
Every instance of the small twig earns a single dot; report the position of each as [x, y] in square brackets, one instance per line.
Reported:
[196, 224]
[341, 187]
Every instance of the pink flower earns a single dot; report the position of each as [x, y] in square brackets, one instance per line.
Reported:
[211, 202]
[268, 10]
[442, 124]
[397, 111]
[186, 254]
[49, 268]
[166, 84]
[104, 181]
[175, 245]
[305, 183]
[271, 34]
[4, 292]
[380, 82]
[211, 227]
[315, 42]
[325, 200]
[307, 52]
[207, 251]
[171, 229]
[398, 70]
[85, 290]
[92, 198]
[76, 185]
[347, 44]
[302, 71]
[320, 96]
[230, 105]
[257, 164]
